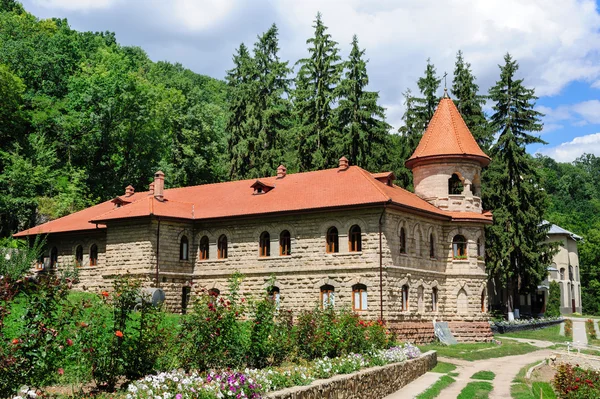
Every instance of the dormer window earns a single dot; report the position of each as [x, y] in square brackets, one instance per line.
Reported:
[386, 178]
[261, 188]
[120, 202]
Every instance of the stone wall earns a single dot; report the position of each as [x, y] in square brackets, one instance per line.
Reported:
[413, 332]
[372, 383]
[471, 331]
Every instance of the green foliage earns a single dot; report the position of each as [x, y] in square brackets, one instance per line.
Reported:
[476, 390]
[360, 118]
[316, 90]
[517, 255]
[553, 306]
[470, 103]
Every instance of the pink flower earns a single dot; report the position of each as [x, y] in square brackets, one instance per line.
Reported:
[61, 371]
[69, 342]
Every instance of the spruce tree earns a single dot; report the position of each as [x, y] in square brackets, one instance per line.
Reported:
[360, 118]
[409, 136]
[469, 103]
[517, 255]
[240, 143]
[428, 86]
[315, 93]
[270, 106]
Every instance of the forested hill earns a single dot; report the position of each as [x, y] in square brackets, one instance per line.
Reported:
[82, 116]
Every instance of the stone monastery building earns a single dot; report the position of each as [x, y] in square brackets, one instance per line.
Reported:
[343, 235]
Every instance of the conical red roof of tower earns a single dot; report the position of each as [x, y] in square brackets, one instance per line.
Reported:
[447, 136]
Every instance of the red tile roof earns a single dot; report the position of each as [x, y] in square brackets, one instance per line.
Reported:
[447, 136]
[330, 188]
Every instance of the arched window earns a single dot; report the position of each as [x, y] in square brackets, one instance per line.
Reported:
[264, 244]
[332, 240]
[94, 255]
[222, 247]
[359, 297]
[355, 239]
[204, 248]
[274, 296]
[455, 185]
[431, 246]
[459, 247]
[54, 257]
[184, 248]
[79, 256]
[462, 301]
[327, 296]
[404, 297]
[402, 241]
[434, 299]
[420, 304]
[479, 248]
[285, 243]
[562, 273]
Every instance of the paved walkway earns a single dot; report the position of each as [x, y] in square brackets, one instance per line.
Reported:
[579, 335]
[534, 342]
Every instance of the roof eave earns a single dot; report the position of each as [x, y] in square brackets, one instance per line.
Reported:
[482, 160]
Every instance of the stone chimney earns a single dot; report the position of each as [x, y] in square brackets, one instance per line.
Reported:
[129, 190]
[344, 164]
[151, 189]
[281, 172]
[159, 185]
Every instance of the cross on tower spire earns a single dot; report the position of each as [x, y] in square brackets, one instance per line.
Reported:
[445, 85]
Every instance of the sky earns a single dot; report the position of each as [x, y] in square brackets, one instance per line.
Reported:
[556, 43]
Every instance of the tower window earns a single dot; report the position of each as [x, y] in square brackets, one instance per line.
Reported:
[431, 246]
[455, 185]
[183, 248]
[264, 244]
[204, 248]
[285, 243]
[222, 247]
[355, 239]
[332, 240]
[459, 247]
[94, 255]
[404, 298]
[402, 241]
[479, 248]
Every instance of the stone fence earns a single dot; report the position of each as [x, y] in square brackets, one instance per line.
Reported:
[371, 383]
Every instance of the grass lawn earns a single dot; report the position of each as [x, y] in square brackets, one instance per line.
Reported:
[484, 375]
[522, 389]
[476, 390]
[550, 333]
[434, 390]
[480, 351]
[444, 368]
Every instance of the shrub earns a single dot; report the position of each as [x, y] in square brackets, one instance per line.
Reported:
[212, 336]
[589, 326]
[569, 328]
[553, 306]
[575, 383]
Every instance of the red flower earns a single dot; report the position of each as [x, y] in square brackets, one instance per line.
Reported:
[61, 371]
[69, 342]
[105, 294]
[15, 341]
[119, 334]
[83, 324]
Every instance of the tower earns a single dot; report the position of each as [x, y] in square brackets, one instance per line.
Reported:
[447, 163]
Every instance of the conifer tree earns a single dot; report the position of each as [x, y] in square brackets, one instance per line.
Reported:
[316, 91]
[409, 136]
[361, 120]
[240, 141]
[469, 103]
[429, 86]
[517, 256]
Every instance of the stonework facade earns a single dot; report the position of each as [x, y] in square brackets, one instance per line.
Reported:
[340, 233]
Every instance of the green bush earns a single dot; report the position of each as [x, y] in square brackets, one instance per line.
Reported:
[553, 306]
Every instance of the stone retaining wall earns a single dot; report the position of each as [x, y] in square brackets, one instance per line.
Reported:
[371, 383]
[471, 331]
[414, 332]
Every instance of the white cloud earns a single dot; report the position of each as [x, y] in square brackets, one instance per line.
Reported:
[555, 41]
[588, 110]
[579, 114]
[569, 151]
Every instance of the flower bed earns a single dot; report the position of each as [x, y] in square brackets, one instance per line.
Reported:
[254, 383]
[573, 382]
[523, 324]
